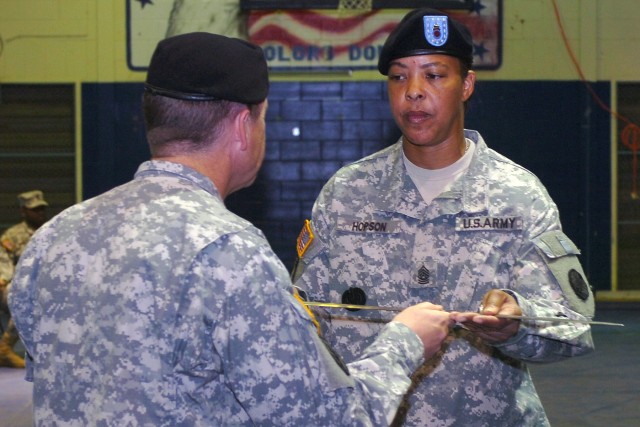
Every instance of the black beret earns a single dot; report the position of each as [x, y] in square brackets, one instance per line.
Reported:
[205, 67]
[426, 32]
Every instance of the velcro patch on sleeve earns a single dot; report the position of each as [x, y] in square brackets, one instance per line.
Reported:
[560, 255]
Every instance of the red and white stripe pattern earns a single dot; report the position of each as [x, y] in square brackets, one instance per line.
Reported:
[335, 39]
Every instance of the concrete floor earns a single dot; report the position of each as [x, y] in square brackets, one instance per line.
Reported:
[601, 389]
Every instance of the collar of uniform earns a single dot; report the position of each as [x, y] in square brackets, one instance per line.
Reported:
[473, 185]
[467, 194]
[401, 196]
[164, 168]
[402, 193]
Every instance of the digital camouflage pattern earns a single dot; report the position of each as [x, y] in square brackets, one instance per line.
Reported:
[153, 305]
[376, 238]
[12, 244]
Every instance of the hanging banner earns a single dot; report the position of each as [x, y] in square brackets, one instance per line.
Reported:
[300, 39]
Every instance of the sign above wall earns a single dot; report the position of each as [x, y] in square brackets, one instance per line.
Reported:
[354, 4]
[300, 39]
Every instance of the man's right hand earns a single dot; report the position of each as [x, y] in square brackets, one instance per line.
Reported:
[430, 322]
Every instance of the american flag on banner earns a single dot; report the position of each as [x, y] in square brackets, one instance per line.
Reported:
[333, 39]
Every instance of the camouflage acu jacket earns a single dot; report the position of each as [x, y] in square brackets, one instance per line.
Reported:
[377, 242]
[12, 244]
[153, 305]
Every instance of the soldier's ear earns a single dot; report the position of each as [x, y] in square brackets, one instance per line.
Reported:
[469, 85]
[242, 129]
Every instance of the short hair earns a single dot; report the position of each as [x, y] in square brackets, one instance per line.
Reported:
[176, 126]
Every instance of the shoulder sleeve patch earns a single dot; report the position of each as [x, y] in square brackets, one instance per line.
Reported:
[308, 244]
[556, 244]
[305, 238]
[560, 255]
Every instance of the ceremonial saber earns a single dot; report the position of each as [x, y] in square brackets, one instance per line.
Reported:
[556, 319]
[351, 306]
[500, 316]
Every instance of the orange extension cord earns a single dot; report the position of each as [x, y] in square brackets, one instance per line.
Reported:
[630, 134]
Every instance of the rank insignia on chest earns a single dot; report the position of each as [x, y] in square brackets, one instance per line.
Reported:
[304, 238]
[424, 275]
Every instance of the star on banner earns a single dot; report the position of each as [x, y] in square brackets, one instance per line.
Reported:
[143, 3]
[477, 6]
[480, 50]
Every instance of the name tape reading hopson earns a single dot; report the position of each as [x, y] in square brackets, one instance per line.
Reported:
[477, 223]
[368, 225]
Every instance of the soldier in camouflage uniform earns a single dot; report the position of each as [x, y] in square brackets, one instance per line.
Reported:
[441, 217]
[12, 243]
[153, 305]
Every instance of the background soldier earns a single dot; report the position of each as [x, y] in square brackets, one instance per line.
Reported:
[12, 243]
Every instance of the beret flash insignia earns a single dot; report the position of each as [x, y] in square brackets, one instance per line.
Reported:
[436, 30]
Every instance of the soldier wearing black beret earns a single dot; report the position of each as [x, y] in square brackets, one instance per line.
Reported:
[427, 32]
[439, 216]
[208, 67]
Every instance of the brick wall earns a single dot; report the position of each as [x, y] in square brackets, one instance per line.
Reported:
[313, 128]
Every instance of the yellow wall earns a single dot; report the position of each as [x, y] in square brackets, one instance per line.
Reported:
[602, 33]
[57, 41]
[85, 40]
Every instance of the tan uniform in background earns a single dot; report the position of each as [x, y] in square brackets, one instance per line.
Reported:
[12, 243]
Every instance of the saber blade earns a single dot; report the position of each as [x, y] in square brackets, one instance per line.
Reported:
[556, 319]
[502, 316]
[351, 306]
